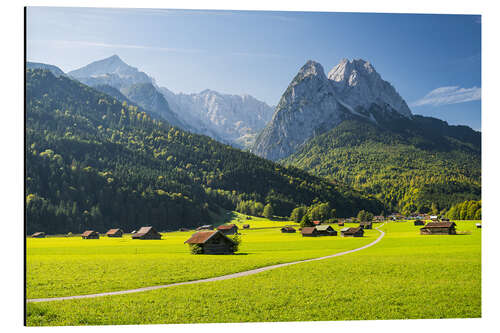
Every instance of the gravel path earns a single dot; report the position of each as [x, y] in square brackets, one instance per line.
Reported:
[217, 278]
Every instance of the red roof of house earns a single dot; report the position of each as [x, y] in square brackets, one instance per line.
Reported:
[440, 225]
[227, 227]
[112, 231]
[88, 232]
[317, 222]
[308, 230]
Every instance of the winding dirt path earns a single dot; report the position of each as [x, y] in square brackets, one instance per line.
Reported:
[217, 278]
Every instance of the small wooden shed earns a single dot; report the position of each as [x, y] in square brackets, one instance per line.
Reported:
[90, 234]
[212, 242]
[39, 234]
[309, 232]
[366, 224]
[205, 227]
[326, 230]
[439, 228]
[419, 222]
[146, 233]
[228, 229]
[288, 229]
[115, 233]
[246, 226]
[352, 232]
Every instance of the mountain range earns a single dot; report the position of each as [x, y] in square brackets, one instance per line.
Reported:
[232, 119]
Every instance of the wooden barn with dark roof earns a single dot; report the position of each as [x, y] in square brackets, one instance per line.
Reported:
[39, 234]
[439, 228]
[115, 233]
[352, 232]
[366, 224]
[228, 229]
[90, 234]
[146, 233]
[212, 242]
[288, 229]
[309, 232]
[326, 230]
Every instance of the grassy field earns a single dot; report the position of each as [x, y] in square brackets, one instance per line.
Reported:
[64, 266]
[406, 275]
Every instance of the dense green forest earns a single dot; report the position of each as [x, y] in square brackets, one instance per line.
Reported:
[412, 165]
[94, 162]
[467, 210]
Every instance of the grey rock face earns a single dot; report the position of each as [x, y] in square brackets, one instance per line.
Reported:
[314, 104]
[233, 119]
[38, 65]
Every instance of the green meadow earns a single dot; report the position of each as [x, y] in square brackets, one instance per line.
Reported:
[65, 266]
[406, 275]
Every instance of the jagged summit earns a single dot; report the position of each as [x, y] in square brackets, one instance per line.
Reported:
[360, 85]
[314, 103]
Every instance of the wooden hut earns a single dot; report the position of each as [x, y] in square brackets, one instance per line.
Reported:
[246, 226]
[309, 232]
[419, 222]
[115, 233]
[326, 230]
[439, 228]
[39, 234]
[352, 232]
[228, 229]
[365, 225]
[146, 233]
[288, 229]
[205, 227]
[90, 234]
[212, 242]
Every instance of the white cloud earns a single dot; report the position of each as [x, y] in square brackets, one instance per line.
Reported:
[449, 95]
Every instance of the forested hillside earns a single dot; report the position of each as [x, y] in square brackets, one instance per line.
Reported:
[93, 162]
[410, 164]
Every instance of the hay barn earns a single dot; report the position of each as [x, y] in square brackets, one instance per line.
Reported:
[366, 225]
[309, 232]
[288, 230]
[90, 234]
[326, 230]
[439, 228]
[39, 234]
[115, 233]
[212, 242]
[352, 232]
[146, 233]
[229, 229]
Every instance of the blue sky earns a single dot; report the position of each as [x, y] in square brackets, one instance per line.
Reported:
[433, 61]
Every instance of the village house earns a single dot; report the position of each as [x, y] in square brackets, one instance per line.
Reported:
[205, 227]
[326, 230]
[212, 242]
[115, 233]
[39, 234]
[228, 229]
[146, 233]
[439, 228]
[288, 229]
[309, 232]
[365, 224]
[352, 232]
[379, 218]
[90, 234]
